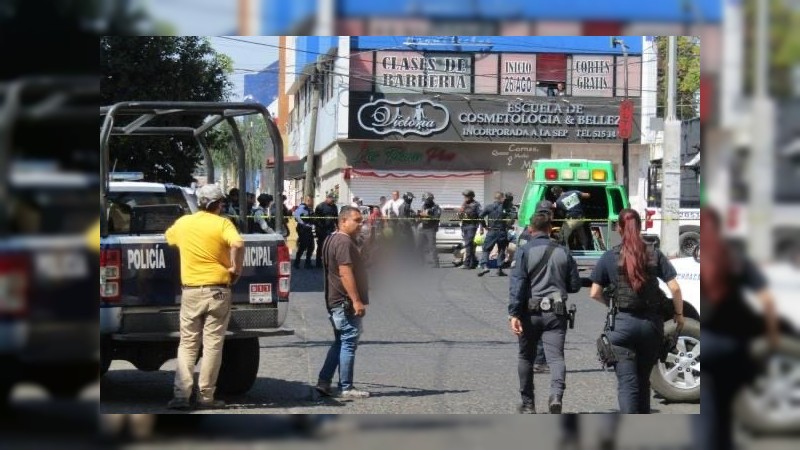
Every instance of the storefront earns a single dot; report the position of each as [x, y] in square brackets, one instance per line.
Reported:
[446, 121]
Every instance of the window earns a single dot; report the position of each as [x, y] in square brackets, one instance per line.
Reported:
[616, 200]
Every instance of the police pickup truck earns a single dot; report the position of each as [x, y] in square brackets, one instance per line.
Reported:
[140, 284]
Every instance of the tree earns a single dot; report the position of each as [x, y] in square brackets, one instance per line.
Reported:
[184, 68]
[688, 82]
[784, 45]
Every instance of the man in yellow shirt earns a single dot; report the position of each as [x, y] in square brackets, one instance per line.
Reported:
[212, 253]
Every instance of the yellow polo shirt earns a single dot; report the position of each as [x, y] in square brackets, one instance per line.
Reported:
[204, 240]
[93, 237]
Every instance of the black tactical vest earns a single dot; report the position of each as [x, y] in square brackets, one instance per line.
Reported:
[470, 215]
[648, 299]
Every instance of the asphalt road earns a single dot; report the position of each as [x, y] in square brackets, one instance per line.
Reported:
[435, 342]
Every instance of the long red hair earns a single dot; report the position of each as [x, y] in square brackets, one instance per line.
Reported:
[715, 273]
[633, 251]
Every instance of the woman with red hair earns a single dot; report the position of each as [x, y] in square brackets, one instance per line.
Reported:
[633, 269]
[728, 324]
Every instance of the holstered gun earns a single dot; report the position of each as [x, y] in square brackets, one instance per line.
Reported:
[571, 316]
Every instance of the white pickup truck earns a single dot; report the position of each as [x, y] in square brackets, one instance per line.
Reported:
[771, 404]
[689, 227]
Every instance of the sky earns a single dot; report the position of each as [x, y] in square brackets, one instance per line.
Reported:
[246, 57]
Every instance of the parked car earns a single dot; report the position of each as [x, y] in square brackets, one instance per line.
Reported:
[449, 238]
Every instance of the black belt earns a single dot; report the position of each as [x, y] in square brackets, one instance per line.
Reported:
[217, 286]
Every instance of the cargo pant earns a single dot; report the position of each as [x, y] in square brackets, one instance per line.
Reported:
[205, 313]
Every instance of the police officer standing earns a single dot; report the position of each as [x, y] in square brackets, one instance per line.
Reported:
[543, 275]
[633, 268]
[430, 214]
[326, 216]
[497, 221]
[257, 221]
[405, 224]
[470, 217]
[305, 233]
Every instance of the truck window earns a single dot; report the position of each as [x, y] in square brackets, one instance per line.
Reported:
[617, 202]
[122, 204]
[45, 210]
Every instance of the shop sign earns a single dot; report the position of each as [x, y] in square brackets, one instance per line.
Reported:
[422, 117]
[398, 72]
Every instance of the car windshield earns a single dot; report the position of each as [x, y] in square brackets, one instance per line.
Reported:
[145, 212]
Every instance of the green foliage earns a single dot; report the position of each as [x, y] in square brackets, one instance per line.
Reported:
[784, 45]
[184, 68]
[688, 82]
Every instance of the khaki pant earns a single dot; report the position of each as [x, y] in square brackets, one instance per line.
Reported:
[205, 313]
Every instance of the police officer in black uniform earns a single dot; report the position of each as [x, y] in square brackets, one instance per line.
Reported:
[497, 221]
[326, 218]
[470, 217]
[632, 270]
[544, 273]
[404, 230]
[429, 217]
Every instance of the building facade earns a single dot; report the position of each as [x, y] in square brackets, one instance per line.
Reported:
[445, 114]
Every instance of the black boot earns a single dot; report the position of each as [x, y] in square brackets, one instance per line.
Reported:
[296, 264]
[526, 408]
[555, 404]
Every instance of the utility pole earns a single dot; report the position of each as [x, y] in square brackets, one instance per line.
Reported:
[671, 183]
[308, 187]
[762, 157]
[625, 147]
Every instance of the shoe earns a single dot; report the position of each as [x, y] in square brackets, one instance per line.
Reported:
[296, 265]
[541, 368]
[500, 273]
[457, 263]
[483, 272]
[180, 404]
[467, 268]
[324, 389]
[354, 393]
[608, 444]
[213, 404]
[555, 404]
[526, 408]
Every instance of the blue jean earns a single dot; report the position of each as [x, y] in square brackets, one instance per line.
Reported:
[342, 354]
[714, 429]
[494, 237]
[637, 340]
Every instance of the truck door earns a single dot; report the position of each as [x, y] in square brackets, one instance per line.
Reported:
[617, 201]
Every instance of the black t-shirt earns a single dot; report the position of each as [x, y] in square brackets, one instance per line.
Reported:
[606, 270]
[733, 316]
[341, 249]
[571, 203]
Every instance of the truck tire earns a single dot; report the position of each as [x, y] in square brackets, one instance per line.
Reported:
[767, 406]
[670, 379]
[688, 241]
[68, 380]
[239, 369]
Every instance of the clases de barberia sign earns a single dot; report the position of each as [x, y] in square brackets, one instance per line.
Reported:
[408, 72]
[498, 119]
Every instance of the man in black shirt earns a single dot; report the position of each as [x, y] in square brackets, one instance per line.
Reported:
[346, 298]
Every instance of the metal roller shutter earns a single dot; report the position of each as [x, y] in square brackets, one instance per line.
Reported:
[446, 186]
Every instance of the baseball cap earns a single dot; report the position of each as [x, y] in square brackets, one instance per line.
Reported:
[208, 194]
[544, 206]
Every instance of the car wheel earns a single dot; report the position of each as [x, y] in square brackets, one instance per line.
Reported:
[688, 241]
[678, 379]
[239, 369]
[769, 405]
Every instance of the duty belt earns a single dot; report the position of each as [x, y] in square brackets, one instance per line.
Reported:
[215, 286]
[543, 304]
